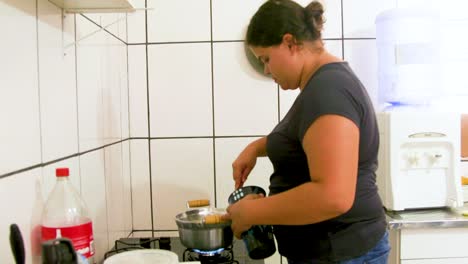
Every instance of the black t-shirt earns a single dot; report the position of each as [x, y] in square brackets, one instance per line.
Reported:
[333, 89]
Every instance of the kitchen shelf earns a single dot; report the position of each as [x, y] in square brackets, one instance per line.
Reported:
[95, 6]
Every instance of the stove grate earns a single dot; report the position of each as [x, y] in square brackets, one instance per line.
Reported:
[220, 256]
[142, 243]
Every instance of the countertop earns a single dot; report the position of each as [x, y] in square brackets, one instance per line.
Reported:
[428, 218]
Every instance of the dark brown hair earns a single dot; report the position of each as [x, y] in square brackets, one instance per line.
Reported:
[277, 17]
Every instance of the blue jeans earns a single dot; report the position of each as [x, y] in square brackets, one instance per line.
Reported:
[377, 255]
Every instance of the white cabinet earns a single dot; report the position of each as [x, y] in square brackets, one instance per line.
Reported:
[429, 246]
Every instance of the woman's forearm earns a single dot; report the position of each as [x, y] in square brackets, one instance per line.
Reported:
[259, 146]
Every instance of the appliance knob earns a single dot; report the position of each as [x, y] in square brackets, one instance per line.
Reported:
[434, 158]
[413, 160]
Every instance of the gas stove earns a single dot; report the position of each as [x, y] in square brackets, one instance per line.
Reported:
[220, 256]
[235, 254]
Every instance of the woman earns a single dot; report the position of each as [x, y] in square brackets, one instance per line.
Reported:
[323, 200]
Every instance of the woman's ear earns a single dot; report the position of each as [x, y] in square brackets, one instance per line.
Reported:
[289, 40]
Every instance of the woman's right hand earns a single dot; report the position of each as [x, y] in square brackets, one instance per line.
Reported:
[247, 159]
[243, 165]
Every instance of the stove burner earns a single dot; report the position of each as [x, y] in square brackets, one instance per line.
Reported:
[219, 256]
[209, 253]
[174, 244]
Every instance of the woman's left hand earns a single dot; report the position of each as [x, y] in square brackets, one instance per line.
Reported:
[238, 214]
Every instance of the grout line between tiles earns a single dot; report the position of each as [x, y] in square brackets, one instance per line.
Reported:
[76, 98]
[149, 120]
[342, 32]
[237, 41]
[44, 164]
[200, 137]
[39, 82]
[141, 230]
[213, 105]
[60, 159]
[129, 120]
[105, 195]
[156, 230]
[131, 180]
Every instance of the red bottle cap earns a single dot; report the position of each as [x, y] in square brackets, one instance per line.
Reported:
[62, 172]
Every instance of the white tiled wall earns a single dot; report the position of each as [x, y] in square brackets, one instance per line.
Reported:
[245, 103]
[362, 57]
[94, 193]
[118, 192]
[139, 94]
[102, 82]
[21, 199]
[169, 86]
[178, 20]
[141, 189]
[359, 16]
[230, 18]
[20, 133]
[137, 23]
[57, 82]
[61, 101]
[180, 91]
[182, 170]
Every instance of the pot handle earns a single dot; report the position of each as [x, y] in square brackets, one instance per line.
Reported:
[198, 203]
[214, 219]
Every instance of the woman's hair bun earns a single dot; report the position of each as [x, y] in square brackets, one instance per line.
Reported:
[278, 17]
[314, 16]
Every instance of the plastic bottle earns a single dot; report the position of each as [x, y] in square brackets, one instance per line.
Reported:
[66, 215]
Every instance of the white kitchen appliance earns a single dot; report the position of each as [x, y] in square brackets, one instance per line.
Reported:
[464, 173]
[409, 55]
[419, 159]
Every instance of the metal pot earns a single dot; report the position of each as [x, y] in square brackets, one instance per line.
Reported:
[196, 232]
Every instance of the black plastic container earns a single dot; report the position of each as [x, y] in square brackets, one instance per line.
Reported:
[259, 239]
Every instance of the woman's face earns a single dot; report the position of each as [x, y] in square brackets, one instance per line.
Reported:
[282, 63]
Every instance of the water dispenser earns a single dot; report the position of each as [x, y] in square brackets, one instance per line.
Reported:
[408, 53]
[419, 160]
